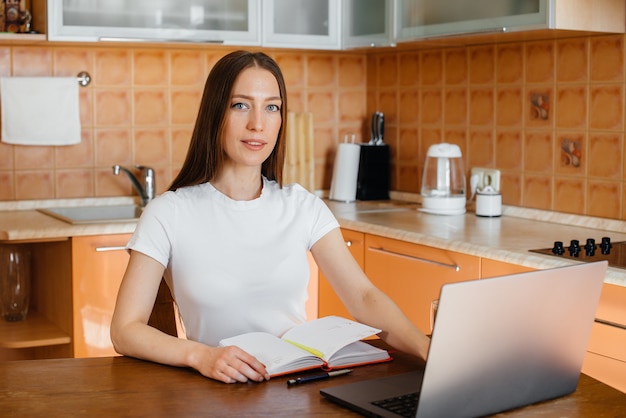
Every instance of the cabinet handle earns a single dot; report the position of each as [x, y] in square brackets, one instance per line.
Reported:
[410, 257]
[610, 323]
[113, 248]
[153, 40]
[348, 243]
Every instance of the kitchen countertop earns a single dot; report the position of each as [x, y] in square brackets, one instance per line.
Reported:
[507, 238]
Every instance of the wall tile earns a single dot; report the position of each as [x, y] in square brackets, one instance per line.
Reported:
[323, 106]
[181, 138]
[569, 194]
[539, 58]
[6, 156]
[456, 68]
[112, 67]
[74, 183]
[431, 106]
[509, 107]
[571, 107]
[480, 152]
[5, 61]
[7, 191]
[408, 107]
[603, 199]
[113, 146]
[481, 105]
[151, 147]
[150, 107]
[455, 106]
[112, 107]
[351, 71]
[321, 70]
[76, 156]
[185, 104]
[537, 192]
[572, 60]
[511, 188]
[606, 155]
[187, 68]
[570, 153]
[431, 66]
[606, 107]
[482, 64]
[150, 68]
[69, 62]
[32, 61]
[33, 157]
[34, 184]
[607, 58]
[538, 152]
[351, 107]
[408, 68]
[510, 63]
[508, 150]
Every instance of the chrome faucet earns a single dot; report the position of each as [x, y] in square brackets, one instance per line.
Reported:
[147, 191]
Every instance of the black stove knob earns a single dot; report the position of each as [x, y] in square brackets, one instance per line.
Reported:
[558, 248]
[574, 248]
[590, 247]
[605, 245]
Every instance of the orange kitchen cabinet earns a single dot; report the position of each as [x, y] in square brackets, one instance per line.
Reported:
[606, 353]
[495, 268]
[412, 274]
[98, 265]
[329, 303]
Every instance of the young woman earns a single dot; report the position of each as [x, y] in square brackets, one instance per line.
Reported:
[231, 240]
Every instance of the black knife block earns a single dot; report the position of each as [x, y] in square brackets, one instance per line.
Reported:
[374, 173]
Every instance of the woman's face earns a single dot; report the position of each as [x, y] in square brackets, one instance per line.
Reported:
[253, 118]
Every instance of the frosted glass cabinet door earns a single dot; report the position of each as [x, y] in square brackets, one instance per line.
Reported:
[222, 21]
[311, 24]
[416, 19]
[367, 23]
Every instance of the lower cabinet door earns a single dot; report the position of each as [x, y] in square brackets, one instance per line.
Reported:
[412, 274]
[98, 265]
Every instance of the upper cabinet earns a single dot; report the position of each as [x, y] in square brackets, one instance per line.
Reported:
[367, 23]
[415, 19]
[308, 24]
[220, 21]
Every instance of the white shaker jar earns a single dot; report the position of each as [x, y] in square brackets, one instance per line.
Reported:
[488, 202]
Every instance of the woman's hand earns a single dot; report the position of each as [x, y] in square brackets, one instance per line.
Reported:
[228, 364]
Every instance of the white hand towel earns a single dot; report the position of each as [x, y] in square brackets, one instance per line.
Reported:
[40, 110]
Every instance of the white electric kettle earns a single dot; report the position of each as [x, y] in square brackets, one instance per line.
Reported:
[443, 181]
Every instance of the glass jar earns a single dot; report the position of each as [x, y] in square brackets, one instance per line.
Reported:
[15, 271]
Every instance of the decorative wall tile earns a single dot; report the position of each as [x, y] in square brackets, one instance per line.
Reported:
[570, 153]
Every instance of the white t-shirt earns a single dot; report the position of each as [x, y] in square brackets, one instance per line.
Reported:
[234, 266]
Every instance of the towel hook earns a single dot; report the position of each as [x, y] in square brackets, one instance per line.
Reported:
[83, 78]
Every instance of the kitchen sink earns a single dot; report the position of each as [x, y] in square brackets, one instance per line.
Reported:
[77, 215]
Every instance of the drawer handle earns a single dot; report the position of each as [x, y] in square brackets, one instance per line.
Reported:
[610, 323]
[410, 257]
[113, 248]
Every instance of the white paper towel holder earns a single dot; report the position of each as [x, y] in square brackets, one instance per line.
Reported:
[343, 186]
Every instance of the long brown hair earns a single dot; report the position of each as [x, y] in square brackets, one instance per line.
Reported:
[205, 156]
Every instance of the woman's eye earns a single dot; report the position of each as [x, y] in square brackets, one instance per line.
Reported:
[240, 106]
[273, 108]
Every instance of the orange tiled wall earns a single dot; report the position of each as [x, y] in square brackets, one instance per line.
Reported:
[514, 106]
[142, 102]
[141, 106]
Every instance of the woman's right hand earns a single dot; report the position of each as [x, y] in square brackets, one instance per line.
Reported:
[228, 364]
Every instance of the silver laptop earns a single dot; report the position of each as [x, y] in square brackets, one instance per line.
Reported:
[497, 344]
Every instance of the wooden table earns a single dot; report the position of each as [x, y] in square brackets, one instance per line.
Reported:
[126, 387]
